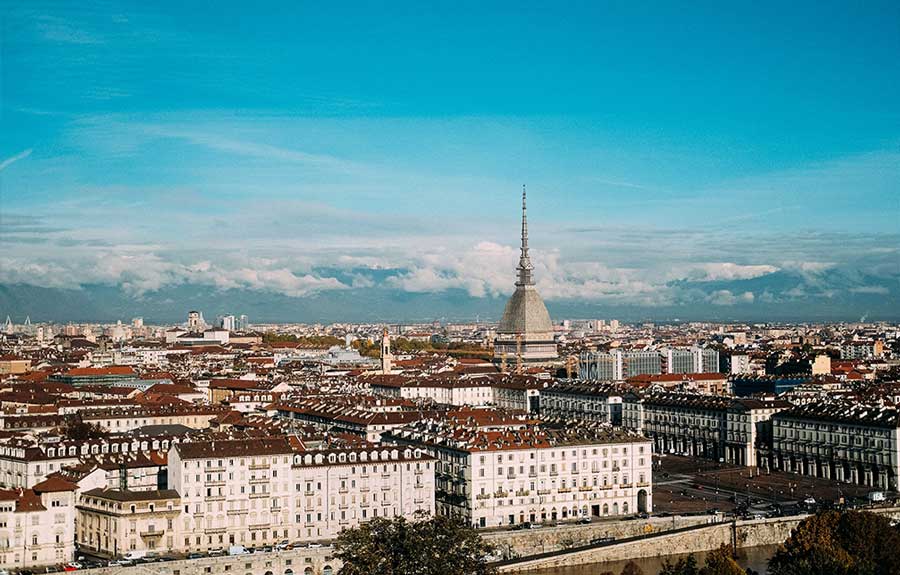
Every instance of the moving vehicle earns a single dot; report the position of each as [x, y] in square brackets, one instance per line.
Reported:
[876, 496]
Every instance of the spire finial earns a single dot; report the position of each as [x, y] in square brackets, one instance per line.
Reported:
[525, 266]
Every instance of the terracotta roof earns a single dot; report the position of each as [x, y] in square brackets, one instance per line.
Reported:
[55, 484]
[112, 370]
[131, 496]
[234, 448]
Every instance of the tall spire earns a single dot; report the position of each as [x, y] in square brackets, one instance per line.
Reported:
[525, 268]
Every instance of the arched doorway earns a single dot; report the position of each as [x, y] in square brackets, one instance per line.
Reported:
[642, 502]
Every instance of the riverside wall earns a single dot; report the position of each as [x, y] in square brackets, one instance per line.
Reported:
[525, 542]
[300, 561]
[750, 533]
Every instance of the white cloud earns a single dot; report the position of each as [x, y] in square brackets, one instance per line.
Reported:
[878, 290]
[728, 271]
[725, 297]
[13, 159]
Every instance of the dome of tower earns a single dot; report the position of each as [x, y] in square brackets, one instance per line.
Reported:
[525, 313]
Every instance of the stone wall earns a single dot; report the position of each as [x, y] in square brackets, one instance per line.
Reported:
[511, 544]
[302, 561]
[751, 533]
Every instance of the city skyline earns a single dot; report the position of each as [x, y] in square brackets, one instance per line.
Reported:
[314, 165]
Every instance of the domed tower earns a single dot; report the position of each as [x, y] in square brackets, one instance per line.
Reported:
[525, 333]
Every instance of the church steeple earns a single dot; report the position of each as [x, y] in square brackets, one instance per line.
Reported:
[525, 268]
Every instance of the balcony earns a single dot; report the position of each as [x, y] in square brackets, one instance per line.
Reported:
[523, 493]
[258, 466]
[153, 533]
[257, 495]
[585, 488]
[564, 490]
[483, 496]
[501, 494]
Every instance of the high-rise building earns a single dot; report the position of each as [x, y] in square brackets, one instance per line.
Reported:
[706, 360]
[678, 360]
[243, 323]
[525, 333]
[228, 322]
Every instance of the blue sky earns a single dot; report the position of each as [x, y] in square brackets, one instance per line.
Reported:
[147, 145]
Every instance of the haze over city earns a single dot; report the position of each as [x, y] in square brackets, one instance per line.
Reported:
[313, 163]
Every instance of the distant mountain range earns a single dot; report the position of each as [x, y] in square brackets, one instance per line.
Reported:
[832, 295]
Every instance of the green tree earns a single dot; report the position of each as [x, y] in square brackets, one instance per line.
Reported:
[720, 562]
[684, 566]
[81, 430]
[632, 568]
[428, 546]
[849, 543]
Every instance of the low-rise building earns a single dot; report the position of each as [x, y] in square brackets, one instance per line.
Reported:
[112, 522]
[37, 525]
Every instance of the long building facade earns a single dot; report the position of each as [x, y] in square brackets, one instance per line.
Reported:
[724, 429]
[503, 478]
[850, 443]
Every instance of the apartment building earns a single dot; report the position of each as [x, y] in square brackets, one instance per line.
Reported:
[339, 489]
[497, 478]
[841, 441]
[593, 401]
[37, 525]
[721, 428]
[232, 491]
[261, 491]
[112, 522]
[26, 462]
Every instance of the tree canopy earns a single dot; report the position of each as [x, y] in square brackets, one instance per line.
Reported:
[432, 546]
[849, 543]
[79, 430]
[718, 562]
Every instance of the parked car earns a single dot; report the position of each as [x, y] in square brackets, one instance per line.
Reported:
[195, 555]
[135, 555]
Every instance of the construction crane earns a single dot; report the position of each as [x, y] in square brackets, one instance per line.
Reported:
[519, 354]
